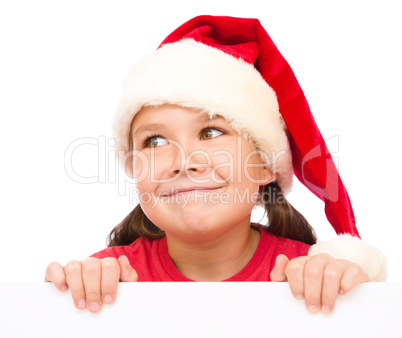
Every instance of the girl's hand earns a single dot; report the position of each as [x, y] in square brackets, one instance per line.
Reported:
[318, 279]
[93, 281]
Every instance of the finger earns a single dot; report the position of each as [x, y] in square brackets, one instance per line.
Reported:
[74, 280]
[313, 277]
[91, 275]
[110, 279]
[55, 274]
[333, 272]
[352, 276]
[278, 272]
[295, 274]
[127, 273]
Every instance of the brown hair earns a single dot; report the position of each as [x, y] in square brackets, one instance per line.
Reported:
[283, 220]
[135, 225]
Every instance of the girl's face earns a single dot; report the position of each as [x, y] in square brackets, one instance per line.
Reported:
[196, 176]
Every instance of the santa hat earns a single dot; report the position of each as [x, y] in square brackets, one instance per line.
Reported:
[230, 67]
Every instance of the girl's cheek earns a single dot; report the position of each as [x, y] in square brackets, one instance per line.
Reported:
[253, 174]
[151, 169]
[140, 170]
[252, 165]
[223, 169]
[236, 167]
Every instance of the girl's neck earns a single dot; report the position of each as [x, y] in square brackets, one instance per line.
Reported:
[215, 260]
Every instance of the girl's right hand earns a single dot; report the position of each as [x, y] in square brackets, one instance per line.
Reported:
[93, 281]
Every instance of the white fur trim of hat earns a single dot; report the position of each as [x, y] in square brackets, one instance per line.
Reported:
[354, 250]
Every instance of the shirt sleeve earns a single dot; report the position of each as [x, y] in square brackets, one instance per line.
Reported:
[114, 251]
[292, 248]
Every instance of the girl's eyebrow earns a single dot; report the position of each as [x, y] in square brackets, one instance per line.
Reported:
[156, 126]
[148, 127]
[206, 118]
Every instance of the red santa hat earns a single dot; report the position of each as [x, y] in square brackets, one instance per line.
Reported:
[230, 67]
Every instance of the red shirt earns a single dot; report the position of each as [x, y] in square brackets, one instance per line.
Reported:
[151, 260]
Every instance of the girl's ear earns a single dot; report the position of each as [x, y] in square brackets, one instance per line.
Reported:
[267, 176]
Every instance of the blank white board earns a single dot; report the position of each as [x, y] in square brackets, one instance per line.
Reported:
[199, 310]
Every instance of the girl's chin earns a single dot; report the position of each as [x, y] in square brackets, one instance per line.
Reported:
[201, 227]
[190, 224]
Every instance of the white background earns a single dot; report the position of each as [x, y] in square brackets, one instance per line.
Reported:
[62, 64]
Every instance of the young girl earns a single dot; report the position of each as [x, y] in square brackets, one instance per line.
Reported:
[210, 125]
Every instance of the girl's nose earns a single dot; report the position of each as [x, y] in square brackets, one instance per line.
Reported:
[194, 162]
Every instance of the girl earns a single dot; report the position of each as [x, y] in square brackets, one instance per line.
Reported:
[210, 125]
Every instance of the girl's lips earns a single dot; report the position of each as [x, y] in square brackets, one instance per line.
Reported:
[191, 189]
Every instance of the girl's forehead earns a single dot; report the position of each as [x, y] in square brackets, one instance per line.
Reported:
[171, 114]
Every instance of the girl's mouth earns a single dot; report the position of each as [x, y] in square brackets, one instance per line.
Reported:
[191, 190]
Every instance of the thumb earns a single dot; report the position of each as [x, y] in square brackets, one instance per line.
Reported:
[127, 273]
[278, 272]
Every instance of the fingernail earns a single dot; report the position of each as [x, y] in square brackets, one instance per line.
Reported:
[108, 299]
[81, 304]
[299, 296]
[341, 292]
[313, 308]
[326, 309]
[63, 288]
[93, 307]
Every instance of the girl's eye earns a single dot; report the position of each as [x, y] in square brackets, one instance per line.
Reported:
[155, 141]
[209, 133]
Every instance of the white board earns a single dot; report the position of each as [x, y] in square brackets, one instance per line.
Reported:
[199, 310]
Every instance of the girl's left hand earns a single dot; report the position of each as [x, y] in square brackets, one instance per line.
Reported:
[318, 279]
